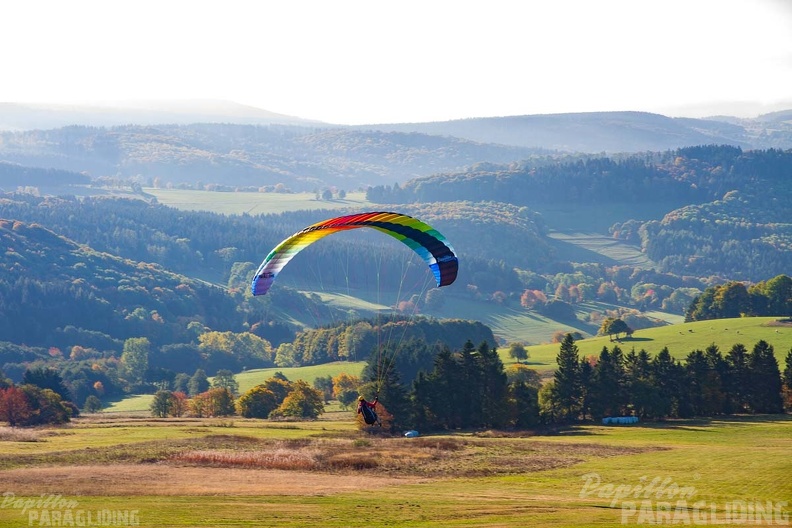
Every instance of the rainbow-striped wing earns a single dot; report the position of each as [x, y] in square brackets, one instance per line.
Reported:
[421, 237]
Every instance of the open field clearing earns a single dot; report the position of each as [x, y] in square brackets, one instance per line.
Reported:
[682, 339]
[595, 247]
[251, 473]
[251, 203]
[250, 378]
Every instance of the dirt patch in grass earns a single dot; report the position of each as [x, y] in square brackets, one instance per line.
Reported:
[162, 479]
[18, 434]
[427, 457]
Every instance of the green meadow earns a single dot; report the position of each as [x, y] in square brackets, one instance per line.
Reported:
[250, 202]
[681, 339]
[209, 472]
[250, 378]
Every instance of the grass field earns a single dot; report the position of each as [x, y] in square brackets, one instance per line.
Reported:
[199, 473]
[251, 203]
[682, 339]
[250, 378]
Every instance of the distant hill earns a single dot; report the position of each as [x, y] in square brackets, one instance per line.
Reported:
[232, 155]
[19, 117]
[587, 132]
[611, 132]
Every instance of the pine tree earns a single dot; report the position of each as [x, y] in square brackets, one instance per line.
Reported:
[495, 387]
[664, 378]
[737, 381]
[606, 384]
[787, 381]
[471, 380]
[567, 379]
[765, 379]
[642, 394]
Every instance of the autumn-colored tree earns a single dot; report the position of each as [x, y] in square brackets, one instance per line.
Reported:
[14, 406]
[301, 402]
[519, 373]
[345, 389]
[220, 402]
[258, 402]
[46, 405]
[214, 402]
[179, 404]
[278, 386]
[530, 298]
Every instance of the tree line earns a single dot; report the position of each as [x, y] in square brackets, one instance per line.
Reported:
[706, 383]
[276, 398]
[772, 297]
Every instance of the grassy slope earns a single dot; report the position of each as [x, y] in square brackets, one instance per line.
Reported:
[682, 339]
[717, 461]
[249, 379]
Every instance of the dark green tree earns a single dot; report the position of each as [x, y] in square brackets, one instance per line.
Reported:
[586, 372]
[92, 404]
[765, 378]
[47, 378]
[198, 383]
[607, 389]
[738, 378]
[518, 352]
[665, 376]
[324, 384]
[787, 380]
[494, 394]
[181, 383]
[642, 394]
[225, 379]
[393, 396]
[161, 404]
[567, 380]
[523, 406]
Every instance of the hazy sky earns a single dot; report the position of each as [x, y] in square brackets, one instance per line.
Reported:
[374, 61]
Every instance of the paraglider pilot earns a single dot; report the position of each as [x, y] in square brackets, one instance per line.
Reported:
[366, 408]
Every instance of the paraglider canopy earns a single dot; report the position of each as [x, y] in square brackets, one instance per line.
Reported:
[427, 242]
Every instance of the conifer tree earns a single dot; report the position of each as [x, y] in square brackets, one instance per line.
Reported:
[765, 379]
[737, 378]
[566, 386]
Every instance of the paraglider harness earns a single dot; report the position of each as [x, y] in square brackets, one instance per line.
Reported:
[367, 410]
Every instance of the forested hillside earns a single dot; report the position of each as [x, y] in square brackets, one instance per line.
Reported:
[230, 156]
[54, 292]
[728, 212]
